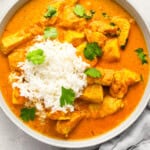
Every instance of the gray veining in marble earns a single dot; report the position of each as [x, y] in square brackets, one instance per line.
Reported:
[137, 137]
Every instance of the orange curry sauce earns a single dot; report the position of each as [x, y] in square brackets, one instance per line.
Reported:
[87, 128]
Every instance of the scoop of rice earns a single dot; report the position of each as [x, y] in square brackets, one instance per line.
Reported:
[43, 83]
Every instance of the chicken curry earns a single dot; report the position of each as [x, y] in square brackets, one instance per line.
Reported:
[110, 66]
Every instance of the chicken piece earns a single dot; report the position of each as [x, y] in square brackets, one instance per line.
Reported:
[10, 42]
[98, 37]
[105, 79]
[66, 126]
[124, 27]
[74, 37]
[80, 52]
[121, 81]
[16, 98]
[102, 27]
[93, 93]
[109, 106]
[16, 57]
[111, 50]
[68, 19]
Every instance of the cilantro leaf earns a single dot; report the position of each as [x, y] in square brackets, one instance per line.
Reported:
[50, 32]
[51, 11]
[79, 10]
[93, 72]
[92, 50]
[37, 56]
[27, 114]
[67, 97]
[141, 55]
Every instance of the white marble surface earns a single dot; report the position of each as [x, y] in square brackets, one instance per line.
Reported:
[12, 138]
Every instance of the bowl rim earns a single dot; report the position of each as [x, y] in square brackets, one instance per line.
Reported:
[85, 143]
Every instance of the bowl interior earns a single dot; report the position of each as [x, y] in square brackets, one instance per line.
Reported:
[99, 139]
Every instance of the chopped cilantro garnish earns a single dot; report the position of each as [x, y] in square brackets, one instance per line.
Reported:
[50, 32]
[92, 50]
[27, 114]
[67, 97]
[37, 56]
[141, 55]
[93, 72]
[51, 11]
[79, 10]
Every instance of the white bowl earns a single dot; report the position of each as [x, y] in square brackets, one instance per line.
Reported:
[86, 143]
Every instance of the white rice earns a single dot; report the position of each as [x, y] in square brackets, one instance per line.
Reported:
[43, 82]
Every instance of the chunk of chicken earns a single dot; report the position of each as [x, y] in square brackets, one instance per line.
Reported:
[13, 41]
[74, 37]
[102, 27]
[124, 27]
[80, 52]
[95, 37]
[10, 42]
[111, 50]
[105, 79]
[14, 58]
[68, 19]
[66, 126]
[109, 106]
[121, 81]
[93, 93]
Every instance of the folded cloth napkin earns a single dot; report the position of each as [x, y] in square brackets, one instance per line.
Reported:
[137, 137]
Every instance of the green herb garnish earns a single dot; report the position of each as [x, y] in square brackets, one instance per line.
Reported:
[92, 50]
[79, 10]
[51, 11]
[28, 114]
[141, 55]
[67, 97]
[37, 56]
[93, 72]
[50, 32]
